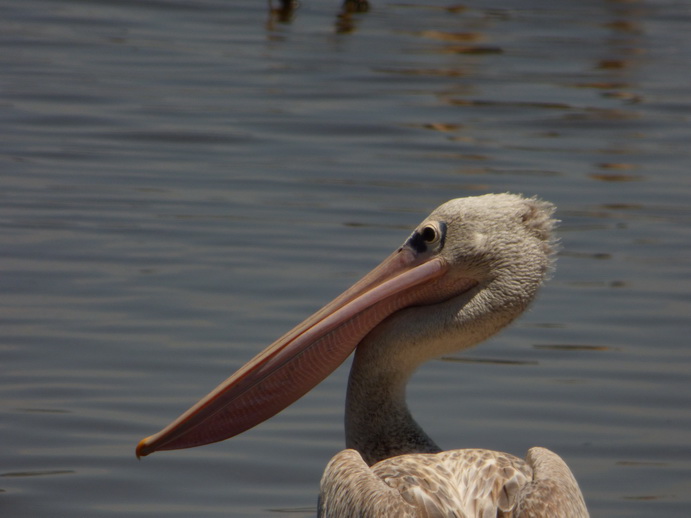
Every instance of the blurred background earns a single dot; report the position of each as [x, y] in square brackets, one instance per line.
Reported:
[182, 181]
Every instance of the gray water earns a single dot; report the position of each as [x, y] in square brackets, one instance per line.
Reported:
[184, 180]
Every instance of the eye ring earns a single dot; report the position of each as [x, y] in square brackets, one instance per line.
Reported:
[430, 234]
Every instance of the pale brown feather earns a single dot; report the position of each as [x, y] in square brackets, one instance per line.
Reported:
[469, 483]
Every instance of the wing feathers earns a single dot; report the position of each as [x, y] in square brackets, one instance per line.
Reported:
[468, 483]
[349, 488]
[553, 490]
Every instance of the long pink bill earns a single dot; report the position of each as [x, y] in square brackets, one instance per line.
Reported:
[303, 357]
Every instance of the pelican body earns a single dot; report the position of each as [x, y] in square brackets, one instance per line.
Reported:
[468, 270]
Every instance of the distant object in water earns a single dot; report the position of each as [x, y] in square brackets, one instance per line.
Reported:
[285, 10]
[468, 270]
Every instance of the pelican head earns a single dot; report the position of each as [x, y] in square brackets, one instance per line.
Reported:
[465, 272]
[497, 250]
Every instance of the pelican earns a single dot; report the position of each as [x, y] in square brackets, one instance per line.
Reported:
[467, 270]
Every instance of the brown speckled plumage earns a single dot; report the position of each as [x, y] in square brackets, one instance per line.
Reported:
[504, 241]
[469, 483]
[467, 271]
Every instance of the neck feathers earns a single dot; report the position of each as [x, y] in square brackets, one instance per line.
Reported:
[378, 423]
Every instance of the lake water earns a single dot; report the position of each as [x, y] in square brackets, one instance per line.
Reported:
[184, 180]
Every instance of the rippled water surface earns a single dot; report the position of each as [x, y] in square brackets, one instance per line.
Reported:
[182, 181]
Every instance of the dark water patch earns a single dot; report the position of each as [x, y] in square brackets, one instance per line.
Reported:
[493, 361]
[572, 347]
[48, 473]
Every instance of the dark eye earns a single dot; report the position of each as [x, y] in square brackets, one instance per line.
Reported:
[429, 234]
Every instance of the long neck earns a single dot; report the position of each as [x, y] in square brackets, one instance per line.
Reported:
[378, 422]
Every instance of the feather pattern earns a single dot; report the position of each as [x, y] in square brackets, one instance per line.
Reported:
[469, 483]
[506, 243]
[467, 271]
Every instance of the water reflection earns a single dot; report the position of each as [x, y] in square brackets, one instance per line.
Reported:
[285, 11]
[492, 361]
[573, 347]
[169, 166]
[282, 12]
[22, 474]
